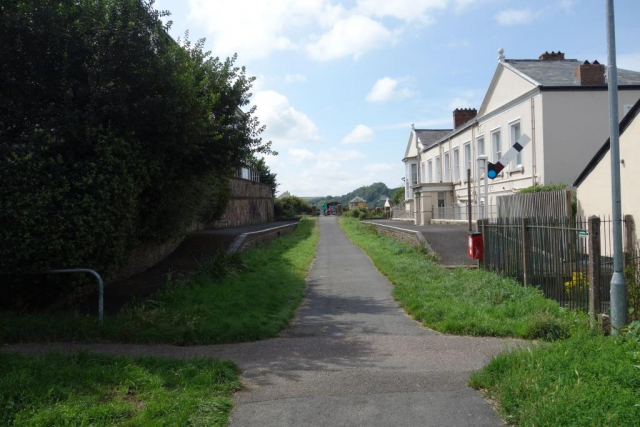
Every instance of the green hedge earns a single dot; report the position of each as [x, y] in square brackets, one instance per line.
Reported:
[111, 133]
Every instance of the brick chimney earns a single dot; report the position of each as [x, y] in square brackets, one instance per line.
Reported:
[462, 116]
[553, 56]
[590, 74]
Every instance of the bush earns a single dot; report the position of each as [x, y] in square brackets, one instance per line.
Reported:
[290, 206]
[111, 133]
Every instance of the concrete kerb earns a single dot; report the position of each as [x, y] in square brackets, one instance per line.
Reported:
[241, 241]
[392, 232]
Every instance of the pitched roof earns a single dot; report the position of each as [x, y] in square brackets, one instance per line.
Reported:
[429, 137]
[624, 124]
[357, 200]
[560, 73]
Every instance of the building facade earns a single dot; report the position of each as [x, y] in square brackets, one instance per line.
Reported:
[561, 104]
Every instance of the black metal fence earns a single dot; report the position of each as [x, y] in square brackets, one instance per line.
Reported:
[562, 257]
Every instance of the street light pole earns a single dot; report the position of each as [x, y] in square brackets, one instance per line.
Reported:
[618, 286]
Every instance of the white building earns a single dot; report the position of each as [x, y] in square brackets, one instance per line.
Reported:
[594, 183]
[560, 103]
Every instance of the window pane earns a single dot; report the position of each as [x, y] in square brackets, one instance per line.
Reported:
[438, 170]
[515, 135]
[497, 146]
[422, 173]
[430, 171]
[467, 158]
[456, 165]
[481, 146]
[447, 168]
[414, 174]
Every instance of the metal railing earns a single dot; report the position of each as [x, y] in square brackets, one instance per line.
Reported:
[460, 213]
[401, 214]
[248, 173]
[562, 257]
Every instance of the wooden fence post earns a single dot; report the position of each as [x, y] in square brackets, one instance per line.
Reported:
[526, 252]
[594, 268]
[629, 240]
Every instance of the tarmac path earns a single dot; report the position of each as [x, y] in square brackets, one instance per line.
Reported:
[350, 358]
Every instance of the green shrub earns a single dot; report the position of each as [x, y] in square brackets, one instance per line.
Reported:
[111, 133]
[290, 206]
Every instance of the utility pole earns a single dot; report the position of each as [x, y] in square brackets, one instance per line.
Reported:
[618, 286]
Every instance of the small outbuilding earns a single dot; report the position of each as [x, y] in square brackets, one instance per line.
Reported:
[357, 202]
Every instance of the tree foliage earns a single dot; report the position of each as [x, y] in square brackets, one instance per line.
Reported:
[375, 195]
[266, 176]
[398, 196]
[290, 206]
[111, 133]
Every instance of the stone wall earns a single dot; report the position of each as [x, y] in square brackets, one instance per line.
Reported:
[250, 203]
[247, 241]
[411, 237]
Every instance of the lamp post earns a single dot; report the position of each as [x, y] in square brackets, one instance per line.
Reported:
[618, 286]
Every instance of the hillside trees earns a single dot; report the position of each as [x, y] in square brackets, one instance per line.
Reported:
[111, 133]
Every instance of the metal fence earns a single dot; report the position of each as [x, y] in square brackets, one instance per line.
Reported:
[562, 257]
[397, 213]
[461, 213]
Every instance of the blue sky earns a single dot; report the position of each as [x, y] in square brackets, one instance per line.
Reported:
[340, 82]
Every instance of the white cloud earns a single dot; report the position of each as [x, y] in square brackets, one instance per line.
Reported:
[284, 123]
[512, 17]
[352, 36]
[385, 89]
[295, 78]
[378, 167]
[360, 133]
[406, 10]
[301, 155]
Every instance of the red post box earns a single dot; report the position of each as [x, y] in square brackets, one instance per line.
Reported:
[475, 245]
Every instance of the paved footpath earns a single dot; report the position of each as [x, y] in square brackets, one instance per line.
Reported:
[351, 358]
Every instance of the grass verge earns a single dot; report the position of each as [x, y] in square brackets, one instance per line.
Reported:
[586, 380]
[91, 389]
[460, 301]
[255, 301]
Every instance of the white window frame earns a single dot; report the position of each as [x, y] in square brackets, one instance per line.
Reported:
[456, 164]
[467, 156]
[517, 161]
[430, 171]
[438, 169]
[447, 167]
[484, 148]
[496, 154]
[422, 176]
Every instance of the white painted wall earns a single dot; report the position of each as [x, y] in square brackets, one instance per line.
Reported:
[576, 124]
[508, 87]
[594, 194]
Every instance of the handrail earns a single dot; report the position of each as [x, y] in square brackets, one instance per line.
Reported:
[94, 274]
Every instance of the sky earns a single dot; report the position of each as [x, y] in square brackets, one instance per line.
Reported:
[339, 82]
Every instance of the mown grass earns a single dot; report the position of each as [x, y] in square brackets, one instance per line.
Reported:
[255, 300]
[90, 389]
[586, 380]
[579, 379]
[460, 301]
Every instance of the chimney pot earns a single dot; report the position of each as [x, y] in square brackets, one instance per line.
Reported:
[553, 56]
[463, 115]
[590, 74]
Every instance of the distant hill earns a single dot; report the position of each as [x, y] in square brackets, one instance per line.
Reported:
[374, 194]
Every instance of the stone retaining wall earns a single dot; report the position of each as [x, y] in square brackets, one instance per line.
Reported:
[247, 241]
[414, 238]
[250, 203]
